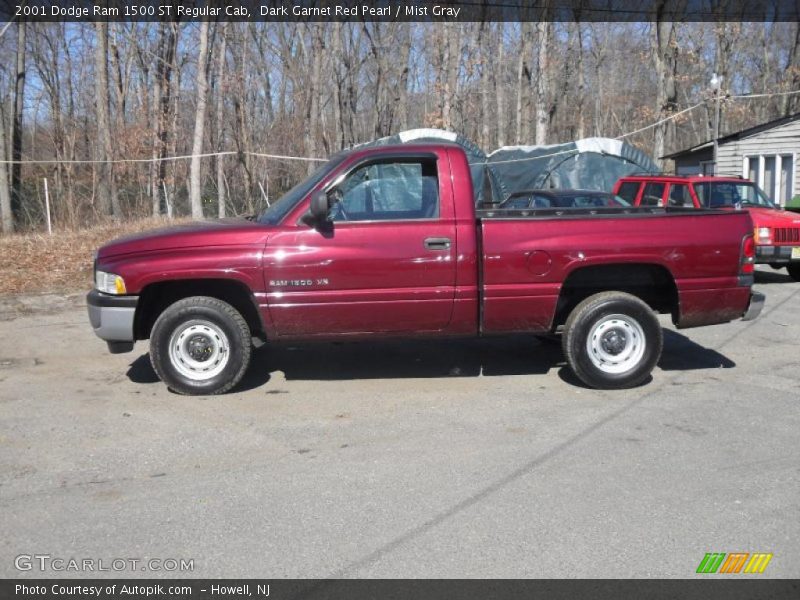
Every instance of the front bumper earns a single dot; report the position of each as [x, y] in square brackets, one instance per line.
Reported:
[112, 319]
[755, 306]
[774, 254]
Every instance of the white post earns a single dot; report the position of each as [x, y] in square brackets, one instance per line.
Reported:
[263, 193]
[47, 207]
[166, 200]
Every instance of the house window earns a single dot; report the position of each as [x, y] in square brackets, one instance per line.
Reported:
[707, 167]
[786, 183]
[774, 173]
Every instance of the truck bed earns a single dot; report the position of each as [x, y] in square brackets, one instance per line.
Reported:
[530, 255]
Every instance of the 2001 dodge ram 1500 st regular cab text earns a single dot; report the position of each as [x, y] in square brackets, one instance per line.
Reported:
[386, 241]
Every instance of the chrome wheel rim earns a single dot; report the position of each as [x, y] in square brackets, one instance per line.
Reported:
[616, 344]
[199, 350]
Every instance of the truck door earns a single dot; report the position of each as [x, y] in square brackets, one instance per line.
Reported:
[385, 262]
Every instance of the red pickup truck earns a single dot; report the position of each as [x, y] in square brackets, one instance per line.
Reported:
[777, 231]
[386, 241]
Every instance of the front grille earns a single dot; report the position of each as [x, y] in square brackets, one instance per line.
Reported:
[786, 235]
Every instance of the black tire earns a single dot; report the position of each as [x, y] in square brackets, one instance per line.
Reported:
[794, 271]
[639, 331]
[210, 321]
[776, 266]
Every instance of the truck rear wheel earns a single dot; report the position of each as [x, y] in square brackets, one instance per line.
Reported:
[612, 340]
[200, 345]
[794, 271]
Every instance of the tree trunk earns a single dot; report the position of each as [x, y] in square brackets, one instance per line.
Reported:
[791, 103]
[312, 103]
[405, 55]
[542, 74]
[451, 64]
[199, 123]
[498, 86]
[106, 193]
[16, 124]
[161, 107]
[523, 75]
[338, 96]
[483, 48]
[6, 217]
[580, 92]
[243, 129]
[665, 56]
[220, 121]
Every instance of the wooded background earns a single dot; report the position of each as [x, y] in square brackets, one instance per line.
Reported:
[108, 92]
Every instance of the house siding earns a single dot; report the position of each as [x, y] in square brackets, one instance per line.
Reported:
[690, 162]
[784, 139]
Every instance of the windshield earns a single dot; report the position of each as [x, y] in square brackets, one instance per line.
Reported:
[716, 194]
[275, 213]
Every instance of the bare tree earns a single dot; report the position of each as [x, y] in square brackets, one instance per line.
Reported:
[665, 57]
[499, 85]
[201, 85]
[6, 216]
[310, 89]
[18, 108]
[542, 79]
[108, 201]
[791, 103]
[523, 80]
[220, 117]
[162, 91]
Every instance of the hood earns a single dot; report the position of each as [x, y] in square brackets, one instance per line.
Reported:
[770, 217]
[222, 232]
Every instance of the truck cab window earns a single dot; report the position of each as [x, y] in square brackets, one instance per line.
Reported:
[389, 191]
[653, 194]
[628, 191]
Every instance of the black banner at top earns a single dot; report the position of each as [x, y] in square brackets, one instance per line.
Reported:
[399, 10]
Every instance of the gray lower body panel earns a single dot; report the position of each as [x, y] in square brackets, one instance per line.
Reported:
[112, 317]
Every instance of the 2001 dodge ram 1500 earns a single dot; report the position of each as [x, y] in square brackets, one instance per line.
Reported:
[386, 241]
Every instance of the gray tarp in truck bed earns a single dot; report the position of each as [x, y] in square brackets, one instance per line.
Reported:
[591, 163]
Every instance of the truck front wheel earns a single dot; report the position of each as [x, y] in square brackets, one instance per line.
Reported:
[200, 345]
[612, 340]
[794, 270]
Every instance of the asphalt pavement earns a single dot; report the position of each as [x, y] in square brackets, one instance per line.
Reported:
[480, 458]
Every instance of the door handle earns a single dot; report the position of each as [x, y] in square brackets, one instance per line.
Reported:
[437, 243]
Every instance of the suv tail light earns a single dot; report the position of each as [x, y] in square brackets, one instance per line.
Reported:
[747, 262]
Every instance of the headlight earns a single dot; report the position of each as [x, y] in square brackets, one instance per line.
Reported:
[762, 235]
[109, 283]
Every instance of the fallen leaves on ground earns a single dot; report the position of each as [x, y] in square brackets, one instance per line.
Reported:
[33, 263]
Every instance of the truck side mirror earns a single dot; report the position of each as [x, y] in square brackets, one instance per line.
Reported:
[319, 206]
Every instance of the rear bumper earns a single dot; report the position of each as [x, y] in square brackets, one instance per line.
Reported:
[755, 306]
[774, 254]
[112, 319]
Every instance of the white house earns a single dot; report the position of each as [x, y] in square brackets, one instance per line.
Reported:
[766, 154]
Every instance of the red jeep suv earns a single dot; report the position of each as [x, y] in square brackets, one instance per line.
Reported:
[777, 232]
